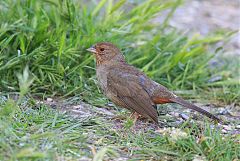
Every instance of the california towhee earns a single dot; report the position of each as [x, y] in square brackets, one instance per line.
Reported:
[128, 87]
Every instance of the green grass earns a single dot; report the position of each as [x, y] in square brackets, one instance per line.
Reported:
[42, 133]
[43, 53]
[52, 37]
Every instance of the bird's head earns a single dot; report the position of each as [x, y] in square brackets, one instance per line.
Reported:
[106, 52]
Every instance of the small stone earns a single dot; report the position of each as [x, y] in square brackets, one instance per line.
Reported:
[49, 99]
[54, 106]
[199, 158]
[184, 116]
[238, 127]
[228, 128]
[224, 131]
[175, 114]
[223, 111]
[76, 107]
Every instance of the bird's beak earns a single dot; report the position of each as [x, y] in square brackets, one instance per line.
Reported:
[92, 50]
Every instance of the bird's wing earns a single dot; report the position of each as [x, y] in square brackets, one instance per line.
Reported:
[126, 87]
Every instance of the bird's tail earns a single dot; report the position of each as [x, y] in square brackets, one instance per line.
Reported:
[189, 105]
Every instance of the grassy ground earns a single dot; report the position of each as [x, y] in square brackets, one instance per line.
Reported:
[41, 133]
[42, 54]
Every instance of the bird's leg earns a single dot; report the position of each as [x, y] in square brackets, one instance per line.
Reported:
[134, 116]
[131, 116]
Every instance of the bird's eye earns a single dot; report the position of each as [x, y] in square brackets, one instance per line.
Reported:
[101, 49]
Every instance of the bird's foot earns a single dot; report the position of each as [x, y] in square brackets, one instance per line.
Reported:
[135, 117]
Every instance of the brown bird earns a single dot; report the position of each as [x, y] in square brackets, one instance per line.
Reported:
[128, 87]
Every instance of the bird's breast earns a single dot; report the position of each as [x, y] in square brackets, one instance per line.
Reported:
[102, 77]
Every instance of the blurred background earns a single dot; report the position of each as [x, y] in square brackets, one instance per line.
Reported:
[206, 17]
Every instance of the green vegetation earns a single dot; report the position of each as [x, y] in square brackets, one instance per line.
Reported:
[51, 37]
[44, 134]
[47, 41]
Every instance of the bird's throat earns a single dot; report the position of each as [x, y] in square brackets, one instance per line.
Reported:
[119, 58]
